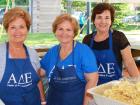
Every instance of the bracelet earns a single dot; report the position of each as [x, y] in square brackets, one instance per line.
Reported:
[43, 102]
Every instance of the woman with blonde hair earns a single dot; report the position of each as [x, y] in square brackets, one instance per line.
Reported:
[70, 66]
[20, 83]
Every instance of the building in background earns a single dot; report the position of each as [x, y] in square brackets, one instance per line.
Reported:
[43, 13]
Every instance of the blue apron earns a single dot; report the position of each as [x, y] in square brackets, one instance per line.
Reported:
[19, 83]
[108, 67]
[65, 88]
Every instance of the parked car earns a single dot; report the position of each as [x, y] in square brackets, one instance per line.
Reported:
[129, 19]
[2, 10]
[133, 18]
[138, 17]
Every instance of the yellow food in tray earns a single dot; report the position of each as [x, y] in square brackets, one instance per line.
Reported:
[125, 91]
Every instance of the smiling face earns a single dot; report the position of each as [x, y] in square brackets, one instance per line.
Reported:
[65, 32]
[17, 31]
[103, 21]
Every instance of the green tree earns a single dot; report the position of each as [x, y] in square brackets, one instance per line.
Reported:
[121, 10]
[2, 2]
[76, 5]
[79, 5]
[18, 2]
[22, 2]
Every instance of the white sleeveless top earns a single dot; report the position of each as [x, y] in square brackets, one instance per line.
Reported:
[34, 58]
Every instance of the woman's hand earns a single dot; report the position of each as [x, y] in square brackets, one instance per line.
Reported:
[43, 103]
[41, 72]
[92, 102]
[129, 62]
[92, 79]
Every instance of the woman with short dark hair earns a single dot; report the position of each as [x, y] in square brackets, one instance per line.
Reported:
[111, 47]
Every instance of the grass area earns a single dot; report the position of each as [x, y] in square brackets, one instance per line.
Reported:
[38, 39]
[41, 39]
[49, 40]
[132, 27]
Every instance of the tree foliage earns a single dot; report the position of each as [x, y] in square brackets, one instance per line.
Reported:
[79, 5]
[2, 2]
[21, 2]
[17, 2]
[76, 5]
[121, 10]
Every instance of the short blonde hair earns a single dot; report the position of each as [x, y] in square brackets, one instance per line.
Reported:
[66, 17]
[14, 13]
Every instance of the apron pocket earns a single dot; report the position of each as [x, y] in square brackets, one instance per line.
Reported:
[32, 97]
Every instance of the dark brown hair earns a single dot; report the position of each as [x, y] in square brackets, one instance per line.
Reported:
[14, 13]
[100, 8]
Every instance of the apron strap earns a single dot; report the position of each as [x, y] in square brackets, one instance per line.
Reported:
[7, 50]
[58, 59]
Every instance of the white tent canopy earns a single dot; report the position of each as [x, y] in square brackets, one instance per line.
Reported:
[110, 1]
[119, 1]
